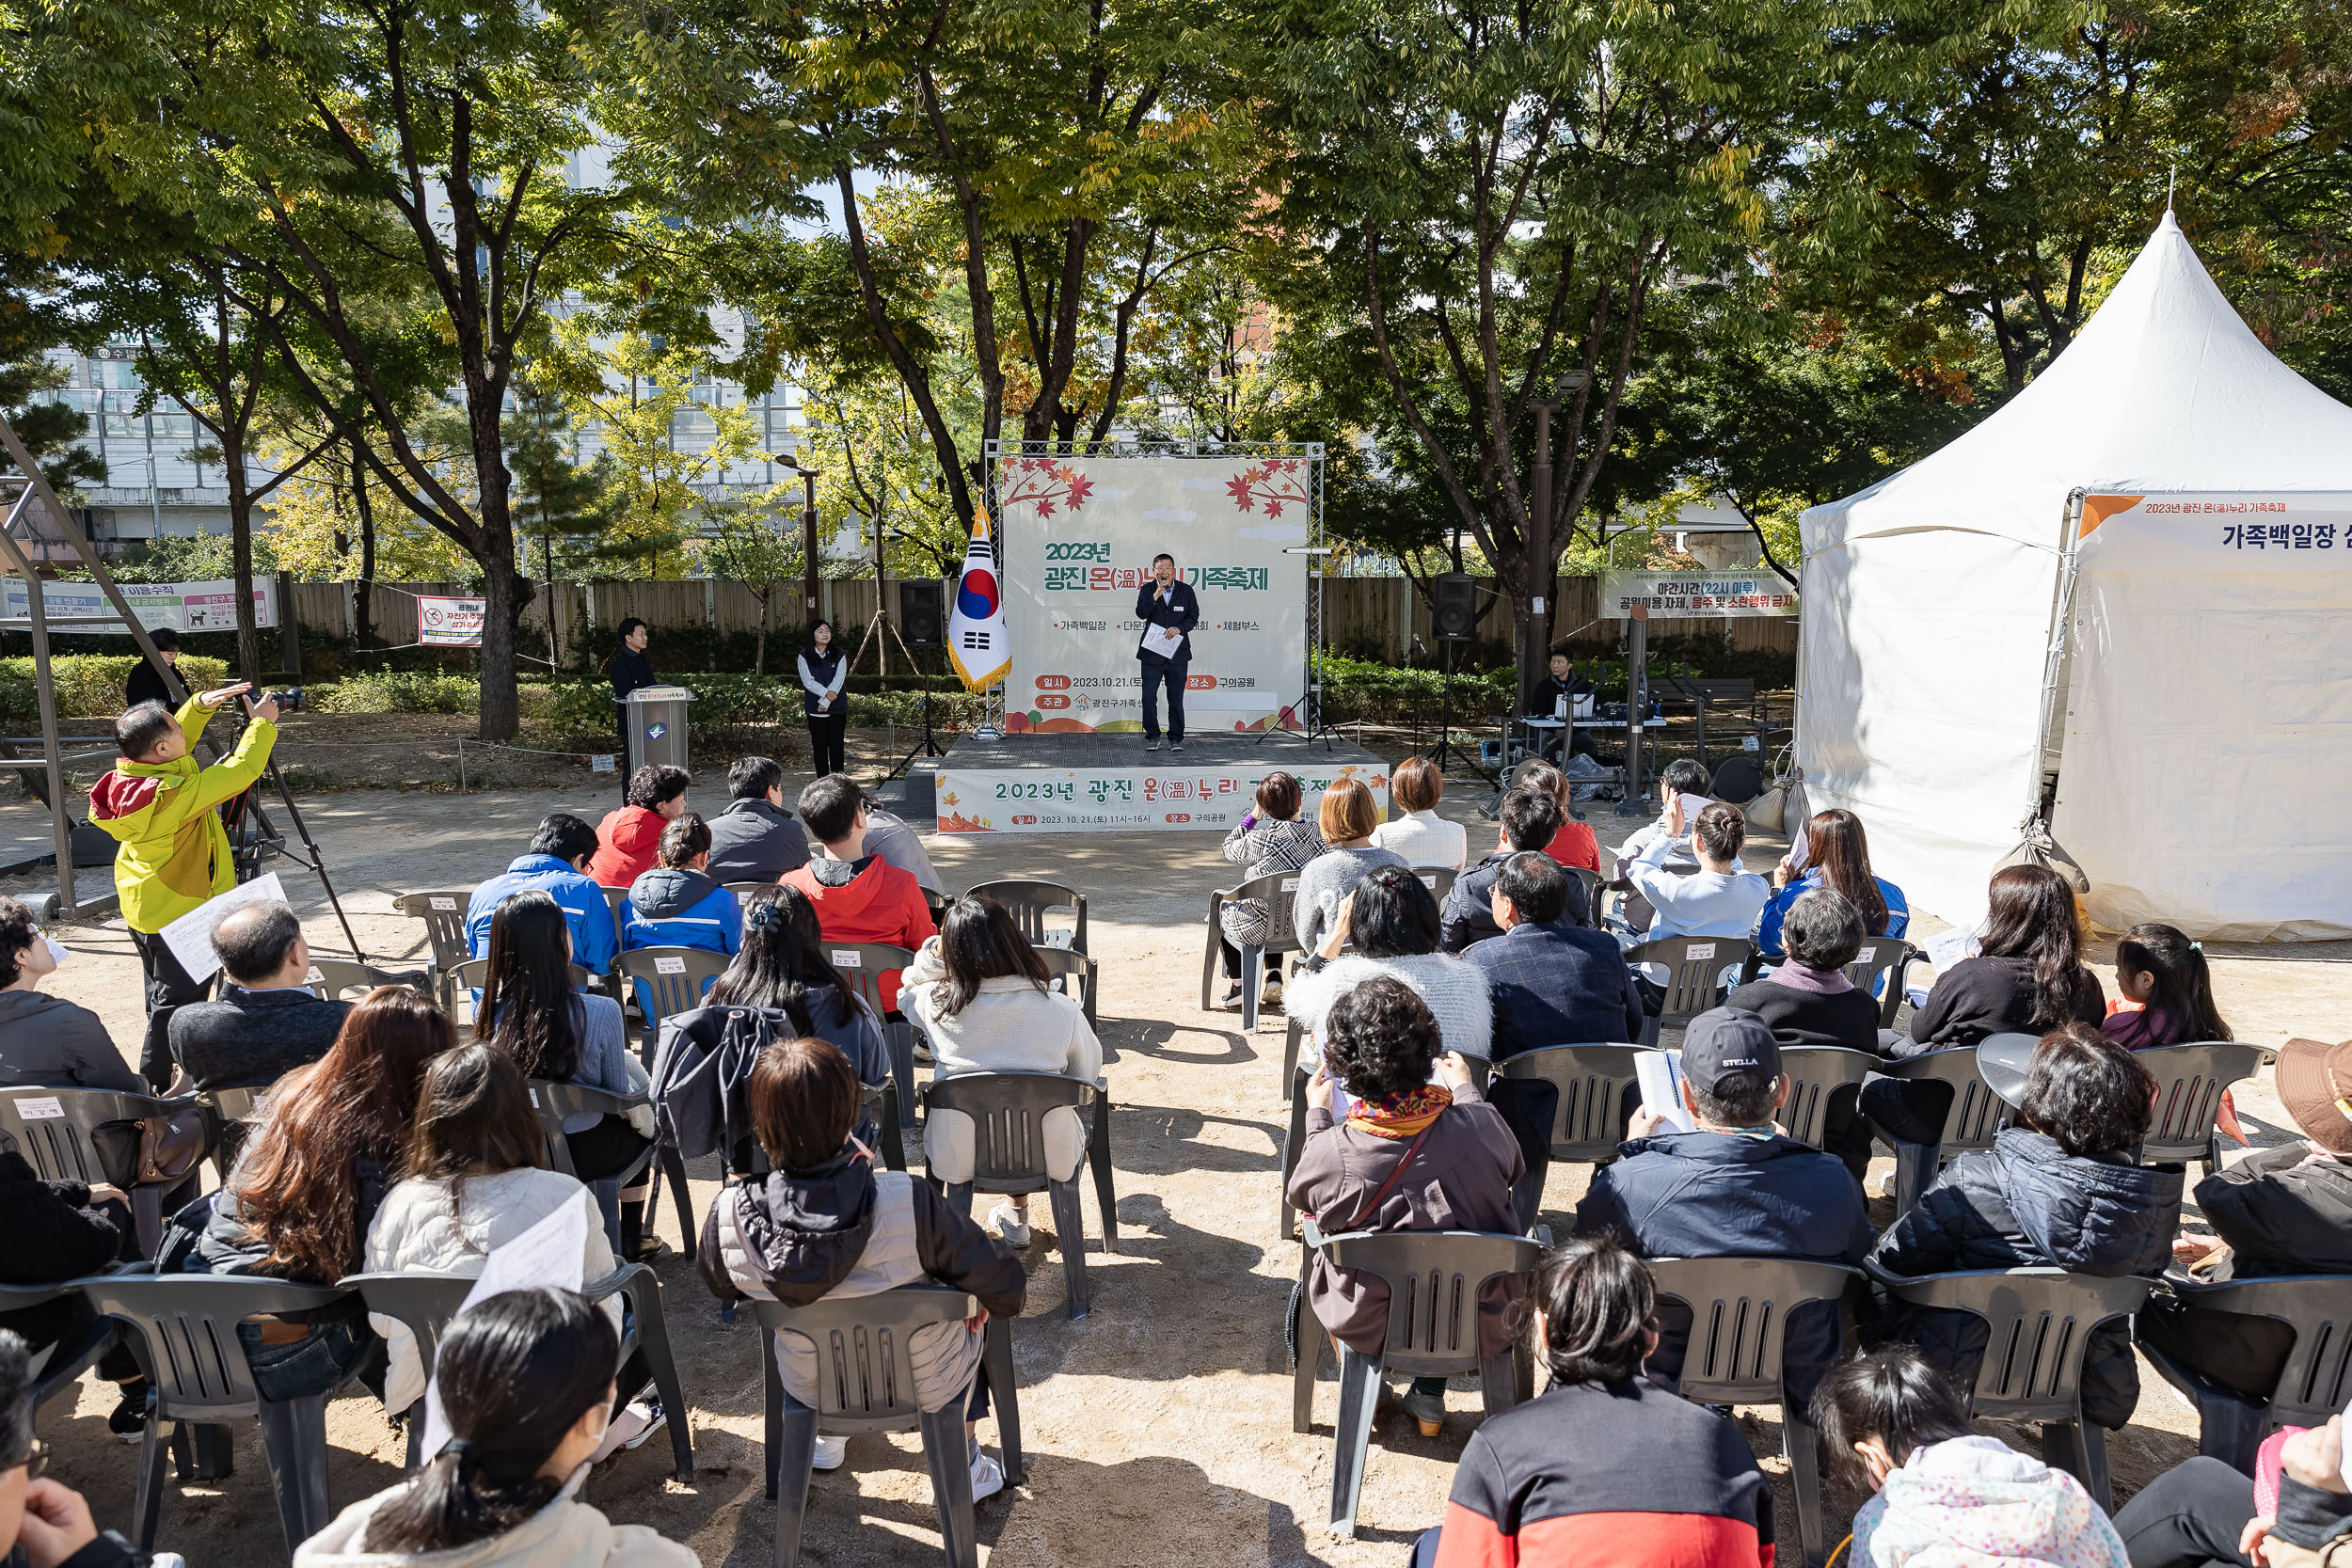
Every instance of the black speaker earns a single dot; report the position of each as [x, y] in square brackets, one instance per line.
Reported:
[1453, 605]
[919, 613]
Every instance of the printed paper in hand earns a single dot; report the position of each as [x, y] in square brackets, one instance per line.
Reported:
[190, 937]
[553, 1252]
[1660, 1073]
[1163, 641]
[1947, 948]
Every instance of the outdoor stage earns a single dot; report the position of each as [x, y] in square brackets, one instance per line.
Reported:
[1076, 784]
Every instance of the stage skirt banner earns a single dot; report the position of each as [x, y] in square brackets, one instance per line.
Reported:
[1697, 596]
[179, 606]
[1092, 800]
[1079, 535]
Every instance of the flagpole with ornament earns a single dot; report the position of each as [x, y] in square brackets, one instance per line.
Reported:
[977, 644]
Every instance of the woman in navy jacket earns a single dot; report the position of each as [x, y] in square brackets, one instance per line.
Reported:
[677, 904]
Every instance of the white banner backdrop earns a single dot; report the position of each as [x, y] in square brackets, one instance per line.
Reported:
[1079, 535]
[181, 606]
[1090, 800]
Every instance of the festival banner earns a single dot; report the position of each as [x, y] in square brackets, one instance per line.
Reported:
[443, 622]
[1079, 535]
[2204, 532]
[1745, 595]
[180, 605]
[1087, 800]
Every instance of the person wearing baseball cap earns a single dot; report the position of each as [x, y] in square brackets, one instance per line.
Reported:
[1735, 1186]
[2284, 1210]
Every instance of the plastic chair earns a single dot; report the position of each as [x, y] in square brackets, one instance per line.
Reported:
[443, 912]
[184, 1329]
[2190, 1081]
[1694, 978]
[2315, 1383]
[425, 1303]
[1739, 1311]
[52, 1126]
[863, 964]
[554, 1101]
[1439, 879]
[67, 1361]
[1589, 1123]
[329, 978]
[2040, 1322]
[1294, 1140]
[1070, 967]
[1887, 958]
[1278, 891]
[1975, 1114]
[1815, 1074]
[471, 975]
[866, 1383]
[1008, 1111]
[669, 980]
[1434, 1278]
[744, 891]
[233, 1111]
[1028, 902]
[1592, 886]
[613, 898]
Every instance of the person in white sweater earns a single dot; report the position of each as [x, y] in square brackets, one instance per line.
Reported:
[979, 990]
[1391, 918]
[1419, 833]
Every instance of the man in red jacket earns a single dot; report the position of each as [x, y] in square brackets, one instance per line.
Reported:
[859, 897]
[628, 838]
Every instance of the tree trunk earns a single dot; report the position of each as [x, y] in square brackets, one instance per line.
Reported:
[759, 647]
[240, 547]
[363, 591]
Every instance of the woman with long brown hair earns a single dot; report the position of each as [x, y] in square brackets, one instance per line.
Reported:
[298, 1202]
[1837, 855]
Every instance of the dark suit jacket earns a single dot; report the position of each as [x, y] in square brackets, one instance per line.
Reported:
[146, 685]
[1468, 916]
[1557, 985]
[249, 1038]
[1182, 611]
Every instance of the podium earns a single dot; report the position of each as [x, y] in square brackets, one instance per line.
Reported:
[655, 732]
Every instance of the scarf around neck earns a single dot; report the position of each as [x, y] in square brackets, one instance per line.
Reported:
[1819, 982]
[1402, 1116]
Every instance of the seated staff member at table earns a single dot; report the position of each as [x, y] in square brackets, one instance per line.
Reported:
[1553, 696]
[1164, 603]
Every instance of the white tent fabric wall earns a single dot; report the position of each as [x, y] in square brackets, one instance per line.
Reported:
[1929, 597]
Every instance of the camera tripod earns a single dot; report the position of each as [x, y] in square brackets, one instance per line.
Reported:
[928, 746]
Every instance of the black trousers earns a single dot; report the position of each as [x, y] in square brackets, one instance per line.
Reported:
[1155, 674]
[2240, 1352]
[605, 1149]
[2189, 1517]
[824, 739]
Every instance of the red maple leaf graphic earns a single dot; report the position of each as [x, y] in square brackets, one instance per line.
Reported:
[1239, 488]
[1272, 507]
[1044, 506]
[1080, 487]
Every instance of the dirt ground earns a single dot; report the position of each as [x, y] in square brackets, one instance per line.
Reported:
[1157, 1429]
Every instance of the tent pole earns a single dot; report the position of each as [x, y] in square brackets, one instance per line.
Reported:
[2053, 656]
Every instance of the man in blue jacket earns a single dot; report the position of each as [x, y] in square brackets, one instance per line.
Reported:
[1735, 1187]
[557, 867]
[1168, 609]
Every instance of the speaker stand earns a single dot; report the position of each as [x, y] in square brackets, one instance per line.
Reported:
[1448, 752]
[927, 747]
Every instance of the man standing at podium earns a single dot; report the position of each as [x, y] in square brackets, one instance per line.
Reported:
[1168, 611]
[631, 670]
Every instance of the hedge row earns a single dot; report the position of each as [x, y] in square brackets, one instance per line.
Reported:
[89, 686]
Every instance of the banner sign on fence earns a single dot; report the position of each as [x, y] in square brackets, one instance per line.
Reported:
[1697, 596]
[1090, 800]
[1079, 535]
[451, 622]
[180, 605]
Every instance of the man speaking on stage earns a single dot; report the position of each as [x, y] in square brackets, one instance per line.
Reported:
[1169, 609]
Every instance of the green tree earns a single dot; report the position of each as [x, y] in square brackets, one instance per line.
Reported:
[757, 543]
[559, 505]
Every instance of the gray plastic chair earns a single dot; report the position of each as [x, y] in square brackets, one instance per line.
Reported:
[1294, 1140]
[1739, 1311]
[183, 1328]
[2040, 1322]
[1279, 892]
[1589, 1123]
[1815, 1074]
[466, 978]
[52, 1126]
[863, 964]
[1975, 1116]
[1439, 879]
[330, 978]
[613, 898]
[1890, 958]
[1008, 1112]
[1079, 975]
[2190, 1080]
[1434, 1278]
[554, 1101]
[744, 891]
[67, 1361]
[668, 980]
[2315, 1383]
[443, 912]
[1696, 975]
[233, 1111]
[866, 1383]
[1029, 901]
[425, 1303]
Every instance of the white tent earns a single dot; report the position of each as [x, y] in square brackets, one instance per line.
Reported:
[2203, 706]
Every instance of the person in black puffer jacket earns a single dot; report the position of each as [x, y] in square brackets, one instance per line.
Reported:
[59, 1231]
[2059, 1191]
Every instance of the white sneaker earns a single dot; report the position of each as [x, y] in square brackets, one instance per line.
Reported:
[988, 1478]
[830, 1452]
[1009, 1224]
[1885, 1183]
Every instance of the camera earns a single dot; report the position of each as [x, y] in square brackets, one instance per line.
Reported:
[288, 700]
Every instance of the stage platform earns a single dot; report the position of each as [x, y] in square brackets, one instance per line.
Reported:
[1065, 784]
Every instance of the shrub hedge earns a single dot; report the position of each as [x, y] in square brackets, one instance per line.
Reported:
[89, 686]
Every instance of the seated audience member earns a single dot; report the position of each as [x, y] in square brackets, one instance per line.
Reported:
[268, 1021]
[554, 866]
[529, 1011]
[1683, 776]
[1807, 1001]
[1399, 1152]
[2058, 1189]
[1392, 920]
[1553, 983]
[1839, 853]
[527, 1385]
[1943, 1494]
[1528, 821]
[1347, 819]
[47, 1039]
[1270, 838]
[755, 839]
[679, 904]
[43, 1522]
[301, 1197]
[2168, 993]
[858, 896]
[61, 1230]
[1575, 843]
[2201, 1513]
[1719, 899]
[630, 837]
[888, 835]
[1417, 831]
[789, 1236]
[1734, 1187]
[2284, 1210]
[1604, 1466]
[978, 992]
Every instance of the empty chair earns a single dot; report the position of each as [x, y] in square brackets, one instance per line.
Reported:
[1587, 1120]
[1031, 901]
[335, 979]
[1698, 972]
[1008, 1112]
[1815, 1074]
[2190, 1081]
[443, 912]
[1975, 1114]
[1076, 975]
[668, 980]
[54, 1128]
[1739, 1309]
[1276, 891]
[2315, 1383]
